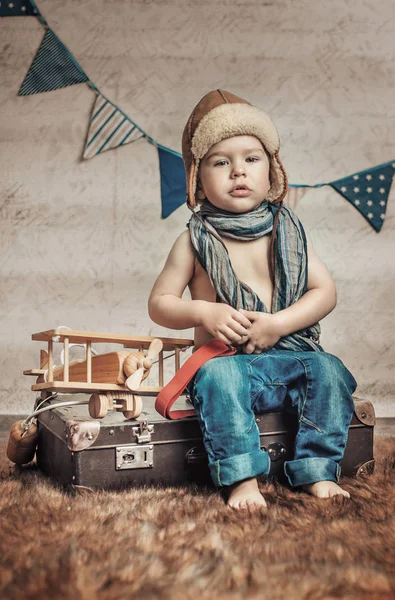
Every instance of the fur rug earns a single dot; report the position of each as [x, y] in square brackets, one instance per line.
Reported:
[184, 543]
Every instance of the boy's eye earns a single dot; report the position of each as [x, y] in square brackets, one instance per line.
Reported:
[252, 159]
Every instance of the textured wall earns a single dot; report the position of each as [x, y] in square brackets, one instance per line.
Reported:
[82, 242]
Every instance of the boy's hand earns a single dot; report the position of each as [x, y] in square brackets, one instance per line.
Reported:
[224, 323]
[264, 331]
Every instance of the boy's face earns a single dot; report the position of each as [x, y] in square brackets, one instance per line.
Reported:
[234, 174]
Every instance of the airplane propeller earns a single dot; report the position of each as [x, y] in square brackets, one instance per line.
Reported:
[143, 364]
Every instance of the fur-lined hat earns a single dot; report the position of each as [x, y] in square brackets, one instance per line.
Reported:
[220, 115]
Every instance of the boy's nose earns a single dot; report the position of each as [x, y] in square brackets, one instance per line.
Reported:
[238, 170]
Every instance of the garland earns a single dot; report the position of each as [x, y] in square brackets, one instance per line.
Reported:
[54, 67]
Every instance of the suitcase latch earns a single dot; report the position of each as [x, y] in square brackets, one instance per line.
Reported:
[143, 432]
[276, 451]
[134, 457]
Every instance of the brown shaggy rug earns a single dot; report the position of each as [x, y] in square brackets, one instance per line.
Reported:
[184, 543]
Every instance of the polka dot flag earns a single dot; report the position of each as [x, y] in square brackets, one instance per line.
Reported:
[17, 8]
[368, 192]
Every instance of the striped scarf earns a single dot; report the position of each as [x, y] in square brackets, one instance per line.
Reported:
[290, 264]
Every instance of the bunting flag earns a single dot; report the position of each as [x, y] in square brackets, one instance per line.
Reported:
[109, 128]
[17, 8]
[53, 67]
[368, 192]
[172, 180]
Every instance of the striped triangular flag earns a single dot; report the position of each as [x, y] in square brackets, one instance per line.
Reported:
[53, 67]
[109, 128]
[172, 180]
[368, 192]
[17, 8]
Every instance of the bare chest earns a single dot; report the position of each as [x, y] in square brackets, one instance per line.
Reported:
[250, 262]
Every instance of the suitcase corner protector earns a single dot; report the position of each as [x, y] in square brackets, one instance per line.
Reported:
[366, 468]
[364, 411]
[80, 435]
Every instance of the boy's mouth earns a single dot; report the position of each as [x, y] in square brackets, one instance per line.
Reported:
[240, 187]
[240, 190]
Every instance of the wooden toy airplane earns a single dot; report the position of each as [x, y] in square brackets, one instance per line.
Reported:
[114, 378]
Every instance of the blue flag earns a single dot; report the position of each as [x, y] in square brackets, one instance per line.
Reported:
[368, 192]
[17, 8]
[172, 180]
[53, 67]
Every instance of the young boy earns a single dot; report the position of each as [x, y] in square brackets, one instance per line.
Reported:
[257, 284]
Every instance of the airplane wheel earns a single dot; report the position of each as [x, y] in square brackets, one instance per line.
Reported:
[98, 406]
[137, 408]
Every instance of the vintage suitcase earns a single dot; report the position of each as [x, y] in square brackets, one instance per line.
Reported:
[113, 453]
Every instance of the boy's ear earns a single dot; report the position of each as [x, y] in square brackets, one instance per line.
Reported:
[200, 195]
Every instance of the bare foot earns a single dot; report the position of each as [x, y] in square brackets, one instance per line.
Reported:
[245, 495]
[325, 489]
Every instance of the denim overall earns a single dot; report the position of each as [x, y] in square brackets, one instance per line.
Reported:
[227, 392]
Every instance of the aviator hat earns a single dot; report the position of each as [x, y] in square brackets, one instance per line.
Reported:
[220, 115]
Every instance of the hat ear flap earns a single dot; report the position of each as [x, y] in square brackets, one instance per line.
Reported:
[191, 185]
[278, 180]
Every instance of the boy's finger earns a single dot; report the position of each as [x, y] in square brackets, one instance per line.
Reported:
[232, 335]
[222, 337]
[249, 348]
[242, 319]
[237, 328]
[250, 314]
